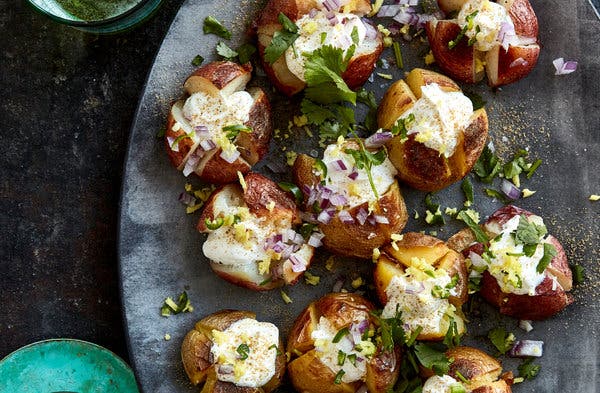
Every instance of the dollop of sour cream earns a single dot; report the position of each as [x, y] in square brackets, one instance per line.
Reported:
[318, 31]
[437, 384]
[357, 191]
[347, 354]
[412, 294]
[439, 118]
[486, 24]
[514, 273]
[245, 352]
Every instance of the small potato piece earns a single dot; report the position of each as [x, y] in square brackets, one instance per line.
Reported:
[199, 365]
[418, 251]
[503, 65]
[550, 295]
[360, 66]
[481, 371]
[352, 238]
[201, 151]
[418, 165]
[309, 370]
[238, 251]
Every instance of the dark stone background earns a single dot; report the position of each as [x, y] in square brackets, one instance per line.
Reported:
[68, 102]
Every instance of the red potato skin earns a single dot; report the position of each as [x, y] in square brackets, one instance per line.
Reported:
[546, 302]
[508, 74]
[523, 16]
[184, 145]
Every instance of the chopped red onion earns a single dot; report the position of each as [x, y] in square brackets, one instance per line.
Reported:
[370, 31]
[510, 190]
[171, 141]
[361, 216]
[408, 2]
[208, 144]
[187, 199]
[309, 217]
[338, 200]
[192, 162]
[381, 219]
[476, 259]
[339, 165]
[518, 62]
[345, 217]
[230, 157]
[524, 348]
[526, 325]
[414, 290]
[226, 369]
[371, 220]
[331, 5]
[315, 240]
[201, 129]
[325, 216]
[525, 40]
[278, 246]
[506, 35]
[338, 285]
[332, 18]
[354, 174]
[564, 67]
[378, 139]
[387, 11]
[298, 264]
[313, 12]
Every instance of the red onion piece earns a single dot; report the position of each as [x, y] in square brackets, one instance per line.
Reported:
[187, 199]
[564, 67]
[338, 285]
[387, 11]
[378, 139]
[414, 290]
[230, 157]
[226, 369]
[381, 219]
[170, 141]
[338, 165]
[506, 35]
[526, 325]
[313, 12]
[354, 174]
[332, 18]
[309, 217]
[201, 129]
[338, 200]
[361, 216]
[510, 190]
[523, 348]
[518, 62]
[208, 144]
[371, 32]
[192, 162]
[298, 264]
[345, 217]
[324, 217]
[525, 40]
[315, 240]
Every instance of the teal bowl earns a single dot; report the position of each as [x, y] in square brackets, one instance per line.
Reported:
[98, 16]
[65, 365]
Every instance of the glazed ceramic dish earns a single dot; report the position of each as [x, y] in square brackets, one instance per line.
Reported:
[161, 252]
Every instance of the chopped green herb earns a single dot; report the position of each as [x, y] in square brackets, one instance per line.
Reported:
[243, 350]
[368, 98]
[434, 213]
[183, 304]
[161, 132]
[323, 37]
[578, 273]
[266, 281]
[391, 330]
[282, 40]
[476, 99]
[461, 34]
[306, 230]
[473, 39]
[452, 338]
[245, 52]
[293, 189]
[488, 165]
[432, 358]
[502, 340]
[181, 137]
[197, 61]
[340, 334]
[533, 168]
[323, 73]
[457, 388]
[352, 359]
[213, 224]
[286, 298]
[401, 127]
[213, 26]
[467, 188]
[276, 348]
[496, 195]
[232, 131]
[354, 35]
[398, 55]
[338, 377]
[461, 377]
[549, 253]
[529, 233]
[528, 369]
[477, 231]
[224, 50]
[341, 358]
[364, 159]
[413, 336]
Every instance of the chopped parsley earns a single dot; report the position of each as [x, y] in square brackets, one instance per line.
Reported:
[225, 51]
[452, 338]
[213, 26]
[243, 350]
[401, 127]
[433, 213]
[391, 330]
[245, 52]
[197, 61]
[549, 253]
[338, 377]
[170, 307]
[488, 165]
[502, 340]
[282, 39]
[461, 34]
[528, 369]
[529, 234]
[368, 98]
[578, 273]
[232, 131]
[433, 358]
[467, 188]
[480, 235]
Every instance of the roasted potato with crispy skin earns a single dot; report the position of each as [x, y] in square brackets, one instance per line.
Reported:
[251, 241]
[424, 279]
[314, 18]
[483, 373]
[333, 348]
[207, 359]
[341, 205]
[504, 45]
[219, 128]
[511, 281]
[430, 156]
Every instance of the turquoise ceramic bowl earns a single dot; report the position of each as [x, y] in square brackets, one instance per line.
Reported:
[65, 365]
[98, 17]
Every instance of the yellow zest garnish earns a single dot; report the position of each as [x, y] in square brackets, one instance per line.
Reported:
[290, 157]
[167, 336]
[527, 192]
[300, 121]
[192, 209]
[357, 282]
[264, 266]
[375, 7]
[329, 263]
[594, 197]
[397, 237]
[311, 279]
[385, 76]
[188, 187]
[270, 206]
[451, 211]
[285, 297]
[429, 59]
[376, 254]
[416, 215]
[242, 181]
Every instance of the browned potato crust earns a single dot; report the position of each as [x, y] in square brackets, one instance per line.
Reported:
[195, 355]
[355, 239]
[465, 63]
[360, 66]
[221, 78]
[547, 301]
[418, 165]
[308, 374]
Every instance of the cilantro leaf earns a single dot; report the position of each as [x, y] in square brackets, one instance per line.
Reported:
[528, 369]
[476, 99]
[578, 273]
[496, 195]
[488, 165]
[197, 61]
[432, 358]
[316, 114]
[528, 233]
[467, 188]
[391, 330]
[323, 71]
[287, 23]
[368, 98]
[213, 26]
[452, 338]
[401, 126]
[245, 52]
[549, 253]
[224, 50]
[479, 234]
[502, 340]
[282, 39]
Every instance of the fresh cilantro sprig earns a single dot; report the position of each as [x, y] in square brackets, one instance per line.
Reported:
[488, 165]
[243, 53]
[528, 369]
[578, 273]
[170, 307]
[433, 357]
[282, 39]
[213, 26]
[502, 340]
